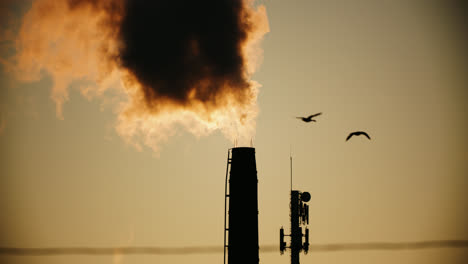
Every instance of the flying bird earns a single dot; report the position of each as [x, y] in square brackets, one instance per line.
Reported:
[357, 133]
[309, 118]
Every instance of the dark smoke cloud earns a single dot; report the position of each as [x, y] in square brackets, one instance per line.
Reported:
[173, 63]
[213, 249]
[185, 50]
[180, 52]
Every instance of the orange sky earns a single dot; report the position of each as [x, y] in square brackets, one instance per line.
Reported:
[396, 69]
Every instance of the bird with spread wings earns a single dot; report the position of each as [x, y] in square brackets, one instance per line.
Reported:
[357, 133]
[309, 118]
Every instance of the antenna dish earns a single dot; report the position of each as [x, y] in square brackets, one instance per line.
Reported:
[305, 196]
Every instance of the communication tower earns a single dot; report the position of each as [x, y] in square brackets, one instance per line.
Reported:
[299, 216]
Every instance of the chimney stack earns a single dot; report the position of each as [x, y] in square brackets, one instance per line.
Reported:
[241, 227]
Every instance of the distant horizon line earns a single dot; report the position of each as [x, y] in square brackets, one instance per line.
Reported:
[139, 250]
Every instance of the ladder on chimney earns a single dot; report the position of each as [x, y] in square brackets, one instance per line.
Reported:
[226, 197]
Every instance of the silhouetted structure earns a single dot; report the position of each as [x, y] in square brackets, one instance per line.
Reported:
[299, 216]
[241, 227]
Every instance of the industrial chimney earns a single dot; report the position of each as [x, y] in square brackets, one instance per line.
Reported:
[241, 207]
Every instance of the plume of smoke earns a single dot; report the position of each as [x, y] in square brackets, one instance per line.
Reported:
[170, 64]
[68, 43]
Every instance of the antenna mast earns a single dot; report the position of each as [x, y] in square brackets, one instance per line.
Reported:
[290, 164]
[299, 213]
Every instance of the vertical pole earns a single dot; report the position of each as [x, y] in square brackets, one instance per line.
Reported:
[290, 165]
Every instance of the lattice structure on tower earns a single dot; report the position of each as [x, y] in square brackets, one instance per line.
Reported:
[299, 215]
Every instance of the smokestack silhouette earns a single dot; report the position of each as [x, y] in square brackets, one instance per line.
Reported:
[243, 207]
